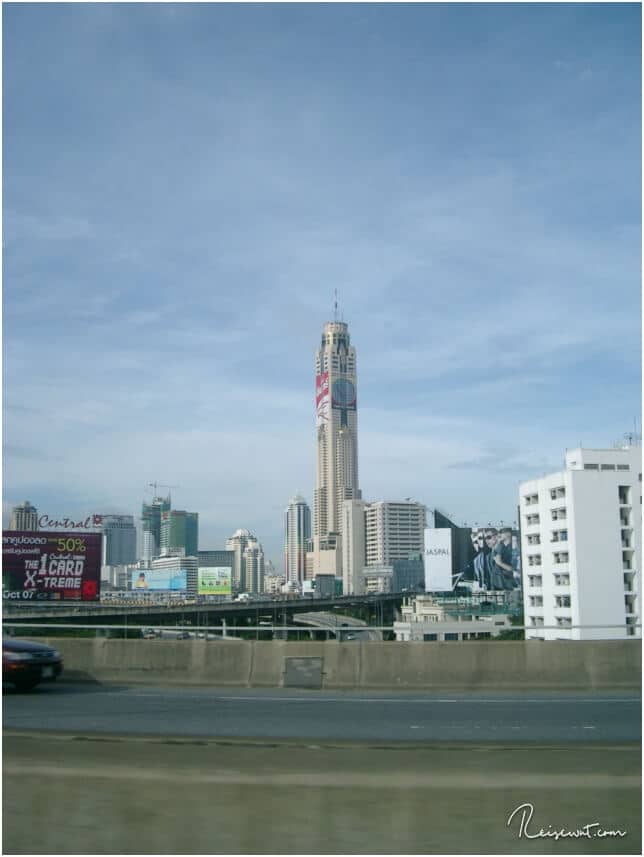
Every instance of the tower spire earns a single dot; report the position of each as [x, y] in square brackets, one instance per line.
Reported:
[335, 305]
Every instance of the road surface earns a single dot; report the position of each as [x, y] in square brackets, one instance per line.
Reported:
[357, 716]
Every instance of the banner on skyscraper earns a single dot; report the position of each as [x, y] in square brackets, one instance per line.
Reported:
[321, 398]
[159, 580]
[51, 566]
[438, 560]
[214, 581]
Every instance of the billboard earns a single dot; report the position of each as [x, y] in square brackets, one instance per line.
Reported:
[321, 398]
[438, 560]
[39, 565]
[494, 560]
[214, 580]
[159, 580]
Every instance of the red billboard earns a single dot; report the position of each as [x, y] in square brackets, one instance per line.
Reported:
[51, 566]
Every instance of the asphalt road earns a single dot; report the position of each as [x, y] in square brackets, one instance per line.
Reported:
[359, 716]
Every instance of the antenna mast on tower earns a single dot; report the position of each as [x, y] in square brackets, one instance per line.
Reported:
[335, 305]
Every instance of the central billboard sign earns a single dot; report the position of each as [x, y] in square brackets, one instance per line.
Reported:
[38, 565]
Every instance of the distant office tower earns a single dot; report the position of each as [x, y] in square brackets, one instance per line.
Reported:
[581, 547]
[119, 539]
[24, 517]
[254, 567]
[237, 543]
[393, 531]
[337, 443]
[151, 521]
[353, 546]
[150, 548]
[179, 532]
[297, 526]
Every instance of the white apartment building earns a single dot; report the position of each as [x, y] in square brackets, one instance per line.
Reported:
[393, 530]
[581, 547]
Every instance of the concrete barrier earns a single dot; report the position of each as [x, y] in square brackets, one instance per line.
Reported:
[468, 665]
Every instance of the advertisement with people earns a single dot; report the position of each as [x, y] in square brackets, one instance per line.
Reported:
[214, 581]
[494, 563]
[321, 398]
[159, 580]
[40, 565]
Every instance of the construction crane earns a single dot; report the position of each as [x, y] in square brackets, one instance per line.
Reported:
[156, 485]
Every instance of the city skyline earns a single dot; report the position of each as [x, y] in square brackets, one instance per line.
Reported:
[186, 186]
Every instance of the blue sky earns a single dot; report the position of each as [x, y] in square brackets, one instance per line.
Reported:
[186, 185]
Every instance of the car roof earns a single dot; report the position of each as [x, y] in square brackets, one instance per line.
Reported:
[12, 645]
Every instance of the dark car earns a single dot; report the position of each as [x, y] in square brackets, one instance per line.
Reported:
[26, 664]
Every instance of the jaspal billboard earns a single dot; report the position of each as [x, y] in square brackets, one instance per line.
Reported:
[214, 580]
[438, 560]
[51, 566]
[321, 398]
[159, 580]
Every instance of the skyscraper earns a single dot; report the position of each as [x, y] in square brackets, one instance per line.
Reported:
[337, 443]
[237, 543]
[151, 522]
[297, 526]
[24, 517]
[254, 567]
[119, 539]
[179, 532]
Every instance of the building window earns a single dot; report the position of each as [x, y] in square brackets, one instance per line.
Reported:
[559, 536]
[449, 636]
[608, 467]
[591, 466]
[535, 580]
[624, 495]
[623, 467]
[430, 637]
[562, 580]
[531, 499]
[534, 540]
[536, 601]
[562, 600]
[564, 621]
[559, 514]
[531, 520]
[536, 621]
[556, 493]
[560, 557]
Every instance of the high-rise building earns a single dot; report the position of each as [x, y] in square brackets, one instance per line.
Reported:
[179, 532]
[337, 443]
[24, 517]
[581, 547]
[237, 543]
[353, 546]
[151, 523]
[119, 539]
[393, 530]
[253, 559]
[297, 526]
